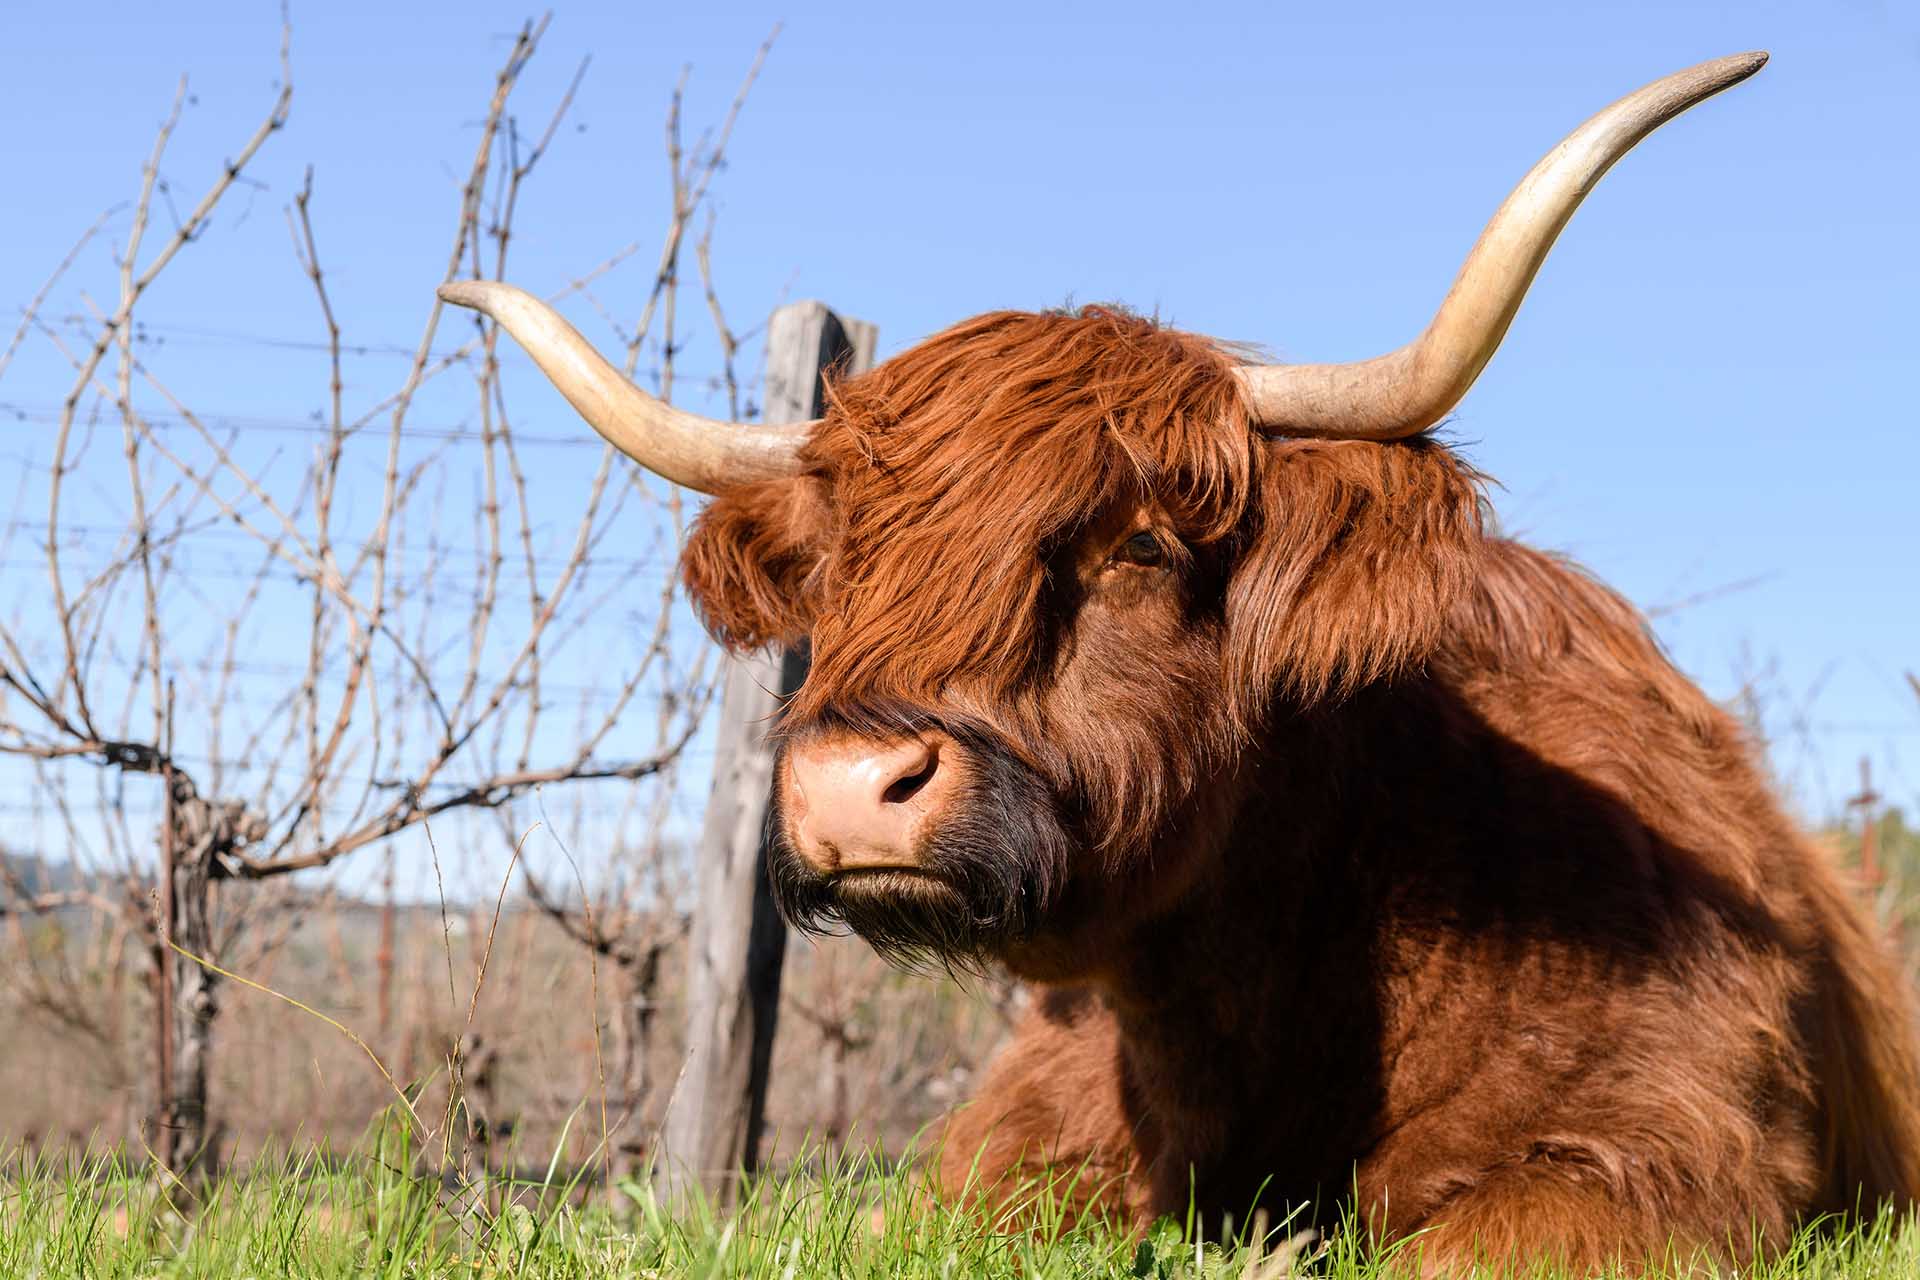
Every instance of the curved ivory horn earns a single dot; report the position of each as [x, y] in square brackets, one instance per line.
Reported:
[1407, 391]
[700, 453]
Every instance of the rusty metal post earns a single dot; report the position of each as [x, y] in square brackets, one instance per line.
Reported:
[1869, 824]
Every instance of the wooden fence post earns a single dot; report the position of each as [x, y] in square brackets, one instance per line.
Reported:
[738, 941]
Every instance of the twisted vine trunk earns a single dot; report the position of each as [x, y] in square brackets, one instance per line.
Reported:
[203, 837]
[640, 980]
[196, 1006]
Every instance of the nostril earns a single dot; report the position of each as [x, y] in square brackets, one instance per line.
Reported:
[903, 789]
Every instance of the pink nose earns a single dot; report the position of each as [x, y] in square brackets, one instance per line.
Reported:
[857, 805]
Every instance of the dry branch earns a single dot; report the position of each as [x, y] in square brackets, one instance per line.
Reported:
[416, 694]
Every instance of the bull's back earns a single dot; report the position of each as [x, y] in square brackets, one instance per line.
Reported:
[1566, 671]
[1865, 1054]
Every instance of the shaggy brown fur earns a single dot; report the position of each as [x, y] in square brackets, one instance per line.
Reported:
[1370, 861]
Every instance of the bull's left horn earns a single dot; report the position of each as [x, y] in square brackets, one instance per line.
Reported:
[1407, 391]
[700, 453]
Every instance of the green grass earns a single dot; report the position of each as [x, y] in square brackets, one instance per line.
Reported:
[358, 1216]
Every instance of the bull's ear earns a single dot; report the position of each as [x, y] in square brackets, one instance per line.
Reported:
[1356, 556]
[749, 561]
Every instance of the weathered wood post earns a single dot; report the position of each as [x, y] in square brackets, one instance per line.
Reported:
[738, 940]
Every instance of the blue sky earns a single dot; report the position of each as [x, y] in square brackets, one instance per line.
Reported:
[1711, 383]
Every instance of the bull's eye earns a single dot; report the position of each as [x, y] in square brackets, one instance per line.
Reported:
[1143, 548]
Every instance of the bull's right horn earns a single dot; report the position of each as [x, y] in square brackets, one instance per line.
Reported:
[700, 453]
[1404, 392]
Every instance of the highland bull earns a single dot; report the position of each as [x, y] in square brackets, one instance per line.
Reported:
[1361, 857]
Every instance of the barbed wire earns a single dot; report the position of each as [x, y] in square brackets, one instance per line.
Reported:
[231, 573]
[77, 535]
[295, 671]
[137, 802]
[48, 415]
[153, 335]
